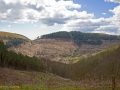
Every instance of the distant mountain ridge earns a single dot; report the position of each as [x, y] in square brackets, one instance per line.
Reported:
[67, 46]
[85, 61]
[100, 66]
[80, 38]
[12, 39]
[6, 36]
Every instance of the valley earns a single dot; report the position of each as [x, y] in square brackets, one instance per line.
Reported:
[31, 80]
[59, 44]
[62, 62]
[61, 48]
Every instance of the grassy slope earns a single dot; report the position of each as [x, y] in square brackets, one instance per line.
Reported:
[13, 35]
[54, 49]
[26, 80]
[62, 47]
[61, 50]
[100, 66]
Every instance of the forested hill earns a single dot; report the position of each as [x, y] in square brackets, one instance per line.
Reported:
[12, 39]
[66, 46]
[99, 66]
[80, 38]
[13, 60]
[7, 35]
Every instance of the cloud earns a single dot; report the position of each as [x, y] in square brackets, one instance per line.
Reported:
[48, 12]
[109, 25]
[115, 1]
[104, 13]
[113, 27]
[86, 25]
[115, 19]
[64, 12]
[108, 29]
[9, 26]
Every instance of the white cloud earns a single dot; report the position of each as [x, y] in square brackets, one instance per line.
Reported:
[116, 1]
[108, 29]
[43, 26]
[68, 4]
[86, 25]
[114, 26]
[115, 19]
[64, 12]
[109, 25]
[104, 13]
[49, 12]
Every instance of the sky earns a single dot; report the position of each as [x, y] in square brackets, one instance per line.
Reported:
[34, 18]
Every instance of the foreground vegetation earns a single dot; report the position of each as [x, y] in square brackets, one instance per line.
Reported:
[65, 88]
[11, 79]
[11, 59]
[91, 72]
[100, 66]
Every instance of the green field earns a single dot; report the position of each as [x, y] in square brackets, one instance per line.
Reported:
[39, 87]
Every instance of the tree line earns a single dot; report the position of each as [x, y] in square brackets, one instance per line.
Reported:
[14, 42]
[94, 67]
[13, 60]
[79, 37]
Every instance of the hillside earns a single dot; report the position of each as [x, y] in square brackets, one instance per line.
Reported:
[13, 60]
[5, 36]
[92, 69]
[18, 72]
[11, 79]
[97, 67]
[80, 38]
[12, 39]
[67, 46]
[31, 80]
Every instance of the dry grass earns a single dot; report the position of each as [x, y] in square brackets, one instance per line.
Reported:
[61, 50]
[5, 36]
[30, 80]
[47, 48]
